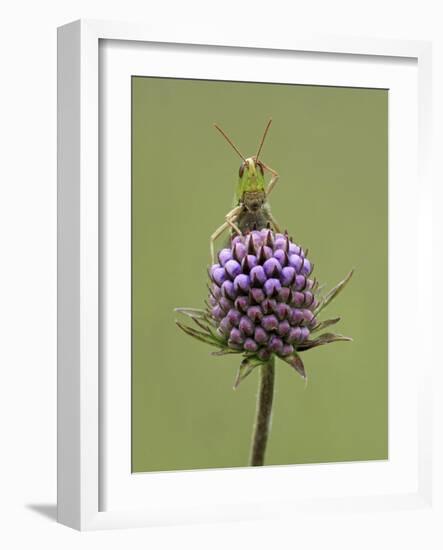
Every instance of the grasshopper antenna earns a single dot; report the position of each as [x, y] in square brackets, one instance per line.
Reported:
[263, 139]
[230, 142]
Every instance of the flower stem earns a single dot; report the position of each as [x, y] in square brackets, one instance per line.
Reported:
[263, 413]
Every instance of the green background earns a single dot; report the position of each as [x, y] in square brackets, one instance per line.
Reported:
[330, 147]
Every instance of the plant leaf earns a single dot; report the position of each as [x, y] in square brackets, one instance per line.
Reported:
[194, 313]
[202, 336]
[191, 312]
[323, 339]
[205, 328]
[227, 351]
[296, 363]
[198, 315]
[201, 325]
[246, 367]
[333, 293]
[323, 324]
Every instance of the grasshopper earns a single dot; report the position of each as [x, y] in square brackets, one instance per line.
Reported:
[251, 208]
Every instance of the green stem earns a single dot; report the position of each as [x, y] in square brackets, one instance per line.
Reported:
[263, 413]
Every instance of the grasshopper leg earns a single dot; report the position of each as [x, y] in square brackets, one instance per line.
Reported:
[269, 189]
[232, 216]
[214, 237]
[230, 219]
[274, 223]
[274, 179]
[234, 212]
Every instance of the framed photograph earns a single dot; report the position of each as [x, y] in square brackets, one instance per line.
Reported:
[244, 230]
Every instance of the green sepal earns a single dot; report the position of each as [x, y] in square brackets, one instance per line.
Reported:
[246, 367]
[323, 339]
[333, 293]
[296, 363]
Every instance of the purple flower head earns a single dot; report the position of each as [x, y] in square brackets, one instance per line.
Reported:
[259, 294]
[263, 302]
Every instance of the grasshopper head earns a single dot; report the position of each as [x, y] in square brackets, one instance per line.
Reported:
[250, 189]
[251, 178]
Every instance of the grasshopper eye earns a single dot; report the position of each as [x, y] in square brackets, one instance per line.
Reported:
[241, 170]
[259, 164]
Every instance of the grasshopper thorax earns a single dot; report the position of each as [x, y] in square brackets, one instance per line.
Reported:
[254, 201]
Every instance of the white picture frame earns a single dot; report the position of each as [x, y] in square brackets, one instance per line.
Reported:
[96, 491]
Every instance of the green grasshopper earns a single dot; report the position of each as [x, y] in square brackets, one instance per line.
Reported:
[251, 208]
